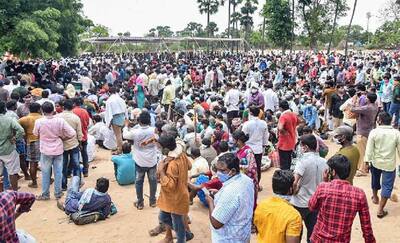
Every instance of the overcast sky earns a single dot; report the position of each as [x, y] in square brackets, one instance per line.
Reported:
[138, 16]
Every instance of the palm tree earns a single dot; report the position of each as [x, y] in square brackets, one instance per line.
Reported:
[209, 7]
[349, 28]
[247, 19]
[235, 16]
[334, 26]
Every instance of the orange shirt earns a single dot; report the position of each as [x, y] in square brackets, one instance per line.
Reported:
[174, 195]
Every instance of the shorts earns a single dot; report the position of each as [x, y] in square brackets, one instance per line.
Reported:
[20, 147]
[33, 151]
[387, 181]
[118, 120]
[10, 162]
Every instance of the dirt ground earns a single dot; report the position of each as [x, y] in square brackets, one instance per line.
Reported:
[48, 224]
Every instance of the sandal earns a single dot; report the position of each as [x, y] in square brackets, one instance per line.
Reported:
[42, 198]
[157, 230]
[139, 206]
[31, 185]
[385, 213]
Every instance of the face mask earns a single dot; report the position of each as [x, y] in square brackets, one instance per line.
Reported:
[222, 176]
[178, 124]
[253, 91]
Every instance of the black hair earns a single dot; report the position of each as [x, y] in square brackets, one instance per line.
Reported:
[144, 118]
[45, 94]
[254, 111]
[78, 101]
[341, 165]
[240, 135]
[14, 96]
[282, 181]
[2, 107]
[206, 142]
[68, 105]
[223, 146]
[284, 105]
[231, 161]
[372, 97]
[195, 152]
[167, 141]
[126, 148]
[102, 184]
[309, 140]
[11, 105]
[385, 118]
[47, 107]
[34, 107]
[306, 129]
[97, 118]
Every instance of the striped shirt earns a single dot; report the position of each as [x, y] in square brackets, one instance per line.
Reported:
[234, 208]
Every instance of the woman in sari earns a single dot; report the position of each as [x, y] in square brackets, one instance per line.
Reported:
[140, 91]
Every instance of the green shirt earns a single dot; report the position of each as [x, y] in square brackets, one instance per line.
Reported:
[353, 155]
[383, 142]
[9, 128]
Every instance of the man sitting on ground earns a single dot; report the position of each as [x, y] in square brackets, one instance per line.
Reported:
[124, 166]
[90, 200]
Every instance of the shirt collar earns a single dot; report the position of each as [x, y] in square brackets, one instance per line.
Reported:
[340, 181]
[287, 111]
[385, 126]
[233, 178]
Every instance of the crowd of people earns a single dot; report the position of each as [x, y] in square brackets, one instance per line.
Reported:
[205, 125]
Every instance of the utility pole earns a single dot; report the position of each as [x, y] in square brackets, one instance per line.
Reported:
[369, 15]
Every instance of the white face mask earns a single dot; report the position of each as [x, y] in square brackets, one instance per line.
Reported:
[336, 140]
[253, 91]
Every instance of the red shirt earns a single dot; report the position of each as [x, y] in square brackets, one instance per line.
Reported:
[85, 119]
[8, 203]
[338, 203]
[287, 138]
[205, 105]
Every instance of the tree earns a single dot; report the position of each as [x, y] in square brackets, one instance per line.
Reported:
[37, 36]
[208, 7]
[334, 25]
[387, 36]
[247, 19]
[317, 16]
[96, 31]
[212, 28]
[390, 11]
[278, 22]
[349, 28]
[160, 31]
[127, 34]
[192, 29]
[235, 16]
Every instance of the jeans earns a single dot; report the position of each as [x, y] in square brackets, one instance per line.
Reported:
[309, 218]
[6, 180]
[46, 164]
[395, 111]
[85, 158]
[151, 175]
[388, 178]
[176, 222]
[70, 157]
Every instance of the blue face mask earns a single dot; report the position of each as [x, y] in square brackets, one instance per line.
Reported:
[222, 176]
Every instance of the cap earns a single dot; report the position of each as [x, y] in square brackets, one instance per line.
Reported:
[343, 130]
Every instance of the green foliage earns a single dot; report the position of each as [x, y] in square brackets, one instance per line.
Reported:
[212, 28]
[278, 22]
[61, 20]
[160, 31]
[387, 36]
[246, 20]
[192, 29]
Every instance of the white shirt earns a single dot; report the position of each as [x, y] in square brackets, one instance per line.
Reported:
[199, 165]
[114, 105]
[95, 130]
[144, 156]
[87, 83]
[109, 139]
[257, 130]
[232, 99]
[271, 100]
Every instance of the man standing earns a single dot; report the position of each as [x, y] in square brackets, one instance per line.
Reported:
[307, 176]
[145, 156]
[383, 142]
[271, 99]
[231, 211]
[32, 141]
[168, 95]
[276, 220]
[115, 116]
[11, 131]
[232, 100]
[257, 130]
[85, 120]
[365, 123]
[71, 145]
[338, 99]
[174, 195]
[287, 124]
[51, 131]
[337, 203]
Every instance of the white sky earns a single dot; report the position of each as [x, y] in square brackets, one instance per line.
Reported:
[138, 16]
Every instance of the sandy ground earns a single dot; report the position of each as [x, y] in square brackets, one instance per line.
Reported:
[48, 224]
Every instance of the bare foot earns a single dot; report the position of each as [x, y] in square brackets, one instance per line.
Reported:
[375, 200]
[166, 240]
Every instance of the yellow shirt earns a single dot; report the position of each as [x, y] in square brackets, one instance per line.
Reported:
[28, 123]
[275, 218]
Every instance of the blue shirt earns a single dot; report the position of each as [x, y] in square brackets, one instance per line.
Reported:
[125, 171]
[234, 204]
